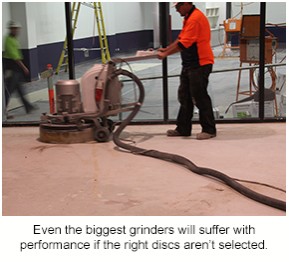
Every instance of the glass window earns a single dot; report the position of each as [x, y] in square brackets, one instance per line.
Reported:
[233, 84]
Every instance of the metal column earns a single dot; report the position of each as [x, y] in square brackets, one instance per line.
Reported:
[164, 27]
[262, 59]
[228, 10]
[69, 41]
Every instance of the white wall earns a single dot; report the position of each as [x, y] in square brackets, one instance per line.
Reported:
[49, 20]
[275, 11]
[45, 22]
[6, 16]
[128, 16]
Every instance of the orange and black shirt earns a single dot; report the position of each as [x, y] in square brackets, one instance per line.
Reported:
[195, 40]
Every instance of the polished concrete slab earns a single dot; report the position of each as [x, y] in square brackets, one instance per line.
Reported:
[99, 179]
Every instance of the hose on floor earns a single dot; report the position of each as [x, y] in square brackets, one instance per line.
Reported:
[182, 160]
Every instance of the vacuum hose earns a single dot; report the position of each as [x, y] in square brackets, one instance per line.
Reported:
[182, 160]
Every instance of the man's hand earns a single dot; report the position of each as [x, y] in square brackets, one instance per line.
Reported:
[26, 71]
[169, 50]
[24, 68]
[162, 49]
[162, 53]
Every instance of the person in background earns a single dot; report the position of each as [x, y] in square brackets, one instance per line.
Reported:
[197, 57]
[14, 68]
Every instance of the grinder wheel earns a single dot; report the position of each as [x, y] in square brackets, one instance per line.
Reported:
[101, 134]
[66, 134]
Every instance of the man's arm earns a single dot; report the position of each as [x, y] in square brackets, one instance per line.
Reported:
[22, 66]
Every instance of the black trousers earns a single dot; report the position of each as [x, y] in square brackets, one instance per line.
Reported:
[13, 82]
[193, 91]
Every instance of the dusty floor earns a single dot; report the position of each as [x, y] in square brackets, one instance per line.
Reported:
[98, 179]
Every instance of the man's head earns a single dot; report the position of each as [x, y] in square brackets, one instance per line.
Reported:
[183, 7]
[14, 27]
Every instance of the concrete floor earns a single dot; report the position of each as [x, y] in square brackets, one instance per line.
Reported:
[99, 179]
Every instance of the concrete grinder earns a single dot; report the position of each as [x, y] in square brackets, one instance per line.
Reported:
[84, 107]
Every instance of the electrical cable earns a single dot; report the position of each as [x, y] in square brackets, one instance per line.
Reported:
[276, 203]
[259, 183]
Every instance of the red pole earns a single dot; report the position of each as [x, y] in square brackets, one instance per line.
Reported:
[51, 90]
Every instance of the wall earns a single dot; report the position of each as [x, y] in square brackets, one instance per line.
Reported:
[129, 25]
[275, 11]
[6, 16]
[128, 16]
[49, 20]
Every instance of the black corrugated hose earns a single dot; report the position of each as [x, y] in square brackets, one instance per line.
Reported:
[182, 160]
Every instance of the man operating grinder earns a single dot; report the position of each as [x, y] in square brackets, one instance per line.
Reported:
[197, 57]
